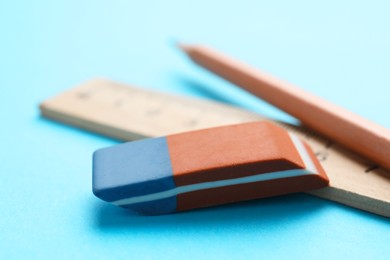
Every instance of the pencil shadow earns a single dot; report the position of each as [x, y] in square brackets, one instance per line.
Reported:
[202, 89]
[260, 213]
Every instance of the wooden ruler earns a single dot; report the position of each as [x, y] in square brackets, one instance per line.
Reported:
[129, 113]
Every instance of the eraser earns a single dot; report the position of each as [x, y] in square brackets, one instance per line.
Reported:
[205, 167]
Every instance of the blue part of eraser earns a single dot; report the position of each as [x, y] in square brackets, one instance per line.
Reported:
[135, 169]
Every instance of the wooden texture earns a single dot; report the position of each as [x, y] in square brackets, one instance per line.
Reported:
[347, 128]
[129, 113]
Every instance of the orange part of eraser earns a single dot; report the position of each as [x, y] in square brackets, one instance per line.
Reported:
[239, 151]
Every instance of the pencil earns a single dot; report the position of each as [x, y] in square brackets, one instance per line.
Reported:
[351, 130]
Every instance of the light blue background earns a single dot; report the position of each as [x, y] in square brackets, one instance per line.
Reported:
[339, 50]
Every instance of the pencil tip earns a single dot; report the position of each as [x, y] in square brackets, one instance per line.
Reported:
[182, 46]
[177, 44]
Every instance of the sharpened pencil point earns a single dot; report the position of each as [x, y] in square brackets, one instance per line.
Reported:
[172, 42]
[183, 47]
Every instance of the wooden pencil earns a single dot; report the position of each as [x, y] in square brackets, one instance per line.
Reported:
[353, 131]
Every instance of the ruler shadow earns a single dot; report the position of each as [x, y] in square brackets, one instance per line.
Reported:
[75, 129]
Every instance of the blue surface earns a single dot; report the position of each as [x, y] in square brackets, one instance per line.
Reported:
[336, 49]
[134, 169]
